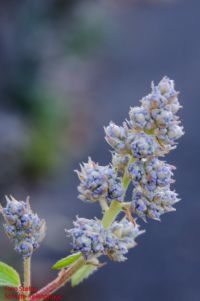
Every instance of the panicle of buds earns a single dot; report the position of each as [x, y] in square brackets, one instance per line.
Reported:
[91, 239]
[23, 226]
[151, 132]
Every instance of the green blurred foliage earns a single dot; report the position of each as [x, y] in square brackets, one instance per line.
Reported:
[48, 121]
[76, 32]
[85, 39]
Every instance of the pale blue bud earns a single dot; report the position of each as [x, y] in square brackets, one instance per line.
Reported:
[143, 145]
[116, 136]
[140, 118]
[120, 161]
[123, 235]
[88, 237]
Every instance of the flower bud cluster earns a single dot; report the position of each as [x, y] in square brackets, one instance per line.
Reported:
[116, 136]
[153, 127]
[125, 233]
[120, 162]
[99, 182]
[151, 174]
[87, 237]
[161, 106]
[91, 239]
[151, 131]
[23, 226]
[153, 205]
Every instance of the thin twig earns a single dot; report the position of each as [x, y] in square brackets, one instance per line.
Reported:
[27, 277]
[63, 277]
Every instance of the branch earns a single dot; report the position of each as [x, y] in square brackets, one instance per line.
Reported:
[63, 277]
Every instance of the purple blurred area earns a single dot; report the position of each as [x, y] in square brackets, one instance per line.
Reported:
[66, 69]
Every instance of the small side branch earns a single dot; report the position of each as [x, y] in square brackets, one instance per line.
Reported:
[27, 277]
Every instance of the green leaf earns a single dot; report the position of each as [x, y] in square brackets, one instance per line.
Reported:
[8, 276]
[83, 273]
[67, 261]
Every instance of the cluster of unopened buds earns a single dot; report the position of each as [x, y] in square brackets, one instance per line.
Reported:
[23, 226]
[150, 133]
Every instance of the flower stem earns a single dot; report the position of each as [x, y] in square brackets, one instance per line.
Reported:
[126, 179]
[111, 214]
[63, 277]
[115, 207]
[104, 205]
[27, 277]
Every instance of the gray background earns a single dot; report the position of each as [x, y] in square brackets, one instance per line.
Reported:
[145, 41]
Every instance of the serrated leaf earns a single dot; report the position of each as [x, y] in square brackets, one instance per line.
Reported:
[83, 273]
[8, 276]
[67, 261]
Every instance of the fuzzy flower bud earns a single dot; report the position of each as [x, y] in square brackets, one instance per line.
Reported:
[87, 237]
[140, 118]
[162, 117]
[116, 136]
[23, 226]
[120, 162]
[99, 182]
[143, 145]
[153, 205]
[167, 88]
[136, 171]
[162, 96]
[151, 173]
[157, 174]
[123, 235]
[175, 132]
[162, 104]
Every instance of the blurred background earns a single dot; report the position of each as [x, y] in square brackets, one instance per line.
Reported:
[66, 69]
